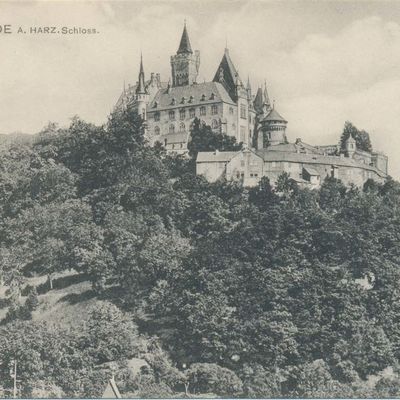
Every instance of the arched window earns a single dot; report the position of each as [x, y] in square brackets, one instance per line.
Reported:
[156, 130]
[182, 127]
[202, 110]
[182, 114]
[214, 124]
[171, 129]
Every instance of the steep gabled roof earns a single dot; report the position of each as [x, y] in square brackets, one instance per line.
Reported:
[184, 45]
[227, 75]
[258, 101]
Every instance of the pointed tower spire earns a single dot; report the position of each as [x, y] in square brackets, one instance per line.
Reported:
[141, 88]
[259, 101]
[248, 83]
[184, 45]
[266, 97]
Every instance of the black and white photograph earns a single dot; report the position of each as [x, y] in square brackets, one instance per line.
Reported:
[199, 199]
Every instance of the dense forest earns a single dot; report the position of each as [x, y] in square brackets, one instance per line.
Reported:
[223, 290]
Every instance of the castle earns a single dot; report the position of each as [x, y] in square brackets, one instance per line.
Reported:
[229, 107]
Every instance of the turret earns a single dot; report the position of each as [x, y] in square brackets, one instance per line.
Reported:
[185, 65]
[266, 102]
[141, 96]
[248, 89]
[350, 146]
[272, 130]
[262, 103]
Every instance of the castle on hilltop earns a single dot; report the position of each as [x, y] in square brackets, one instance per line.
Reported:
[228, 106]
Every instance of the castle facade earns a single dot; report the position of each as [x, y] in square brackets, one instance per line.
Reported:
[228, 106]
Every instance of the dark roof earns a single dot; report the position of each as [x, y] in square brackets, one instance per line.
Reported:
[213, 92]
[227, 74]
[258, 101]
[274, 116]
[184, 45]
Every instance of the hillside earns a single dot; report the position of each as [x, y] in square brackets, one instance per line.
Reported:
[217, 288]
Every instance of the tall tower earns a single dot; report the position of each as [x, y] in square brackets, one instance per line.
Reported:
[185, 65]
[141, 96]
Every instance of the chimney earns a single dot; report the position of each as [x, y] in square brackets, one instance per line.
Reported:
[298, 140]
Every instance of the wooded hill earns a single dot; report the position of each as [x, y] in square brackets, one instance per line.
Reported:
[112, 250]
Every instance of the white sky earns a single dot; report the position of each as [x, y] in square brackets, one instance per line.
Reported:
[325, 62]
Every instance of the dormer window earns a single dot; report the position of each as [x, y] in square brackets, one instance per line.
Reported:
[190, 99]
[183, 100]
[203, 97]
[212, 96]
[173, 101]
[155, 104]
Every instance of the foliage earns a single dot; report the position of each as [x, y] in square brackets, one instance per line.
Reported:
[255, 292]
[362, 138]
[203, 138]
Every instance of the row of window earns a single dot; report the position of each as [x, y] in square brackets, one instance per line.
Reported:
[182, 127]
[192, 113]
[189, 99]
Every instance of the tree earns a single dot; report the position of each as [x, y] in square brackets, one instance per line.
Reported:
[203, 138]
[110, 335]
[206, 378]
[32, 301]
[362, 138]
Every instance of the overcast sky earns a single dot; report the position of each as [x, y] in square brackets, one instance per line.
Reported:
[324, 62]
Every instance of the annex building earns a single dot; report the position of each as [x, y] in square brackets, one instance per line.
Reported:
[228, 106]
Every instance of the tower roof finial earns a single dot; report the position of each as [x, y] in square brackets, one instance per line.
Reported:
[184, 45]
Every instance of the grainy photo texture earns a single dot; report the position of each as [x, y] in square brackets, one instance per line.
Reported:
[199, 199]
